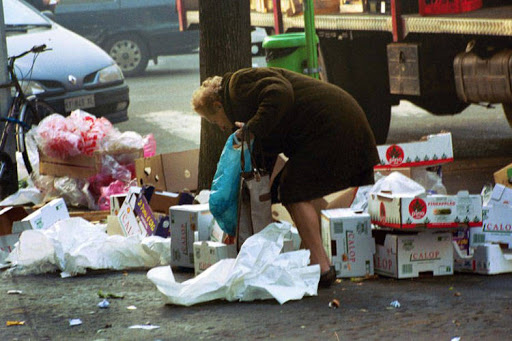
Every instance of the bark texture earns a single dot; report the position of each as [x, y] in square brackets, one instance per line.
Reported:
[225, 45]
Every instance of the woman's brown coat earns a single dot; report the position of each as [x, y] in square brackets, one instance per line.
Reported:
[320, 127]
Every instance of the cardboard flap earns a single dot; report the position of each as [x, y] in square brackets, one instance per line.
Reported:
[8, 216]
[497, 192]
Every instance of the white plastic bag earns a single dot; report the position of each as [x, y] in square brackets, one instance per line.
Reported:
[74, 245]
[260, 271]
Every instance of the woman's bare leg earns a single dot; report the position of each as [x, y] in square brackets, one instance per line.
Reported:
[307, 221]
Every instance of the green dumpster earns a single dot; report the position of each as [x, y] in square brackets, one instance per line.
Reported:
[287, 51]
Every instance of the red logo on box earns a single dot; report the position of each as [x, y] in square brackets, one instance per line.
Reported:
[395, 155]
[417, 208]
[382, 213]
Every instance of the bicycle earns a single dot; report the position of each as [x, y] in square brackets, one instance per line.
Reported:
[24, 111]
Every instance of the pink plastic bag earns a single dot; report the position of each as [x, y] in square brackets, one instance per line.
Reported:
[56, 137]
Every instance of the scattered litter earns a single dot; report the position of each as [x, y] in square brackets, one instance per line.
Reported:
[395, 304]
[104, 304]
[75, 322]
[338, 281]
[457, 294]
[14, 323]
[14, 292]
[335, 304]
[259, 272]
[363, 310]
[144, 326]
[457, 338]
[102, 294]
[450, 288]
[132, 307]
[303, 327]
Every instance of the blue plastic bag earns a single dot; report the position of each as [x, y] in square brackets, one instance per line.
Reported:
[225, 186]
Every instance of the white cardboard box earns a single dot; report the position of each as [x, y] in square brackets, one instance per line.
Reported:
[500, 195]
[207, 253]
[347, 239]
[486, 259]
[436, 149]
[425, 211]
[127, 219]
[186, 220]
[497, 226]
[408, 255]
[44, 217]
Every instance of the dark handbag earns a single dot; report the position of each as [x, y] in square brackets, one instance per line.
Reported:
[254, 200]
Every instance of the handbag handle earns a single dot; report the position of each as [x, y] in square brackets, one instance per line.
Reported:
[246, 138]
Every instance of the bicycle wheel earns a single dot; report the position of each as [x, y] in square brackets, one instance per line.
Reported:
[30, 118]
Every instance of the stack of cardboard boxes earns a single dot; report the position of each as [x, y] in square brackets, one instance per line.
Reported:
[414, 232]
[489, 248]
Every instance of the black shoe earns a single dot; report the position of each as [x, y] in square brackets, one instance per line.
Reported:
[327, 278]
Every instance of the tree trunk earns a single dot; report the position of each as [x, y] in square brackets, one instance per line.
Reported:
[225, 45]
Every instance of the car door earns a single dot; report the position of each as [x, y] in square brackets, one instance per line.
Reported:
[89, 18]
[157, 22]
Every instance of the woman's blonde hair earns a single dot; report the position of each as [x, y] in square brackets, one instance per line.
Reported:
[206, 94]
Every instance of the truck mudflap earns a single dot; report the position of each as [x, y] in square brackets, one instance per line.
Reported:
[483, 79]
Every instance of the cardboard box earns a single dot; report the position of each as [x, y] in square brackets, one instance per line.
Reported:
[461, 237]
[44, 217]
[504, 176]
[186, 221]
[347, 239]
[135, 216]
[436, 149]
[172, 172]
[487, 259]
[8, 235]
[207, 253]
[79, 166]
[500, 195]
[407, 255]
[425, 211]
[497, 226]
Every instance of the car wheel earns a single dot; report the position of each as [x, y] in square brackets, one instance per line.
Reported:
[130, 53]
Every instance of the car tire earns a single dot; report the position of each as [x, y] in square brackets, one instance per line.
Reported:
[129, 52]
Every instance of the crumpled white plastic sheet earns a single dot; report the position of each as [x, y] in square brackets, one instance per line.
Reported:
[74, 245]
[397, 183]
[260, 271]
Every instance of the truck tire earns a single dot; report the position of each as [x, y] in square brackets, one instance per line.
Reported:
[379, 118]
[129, 52]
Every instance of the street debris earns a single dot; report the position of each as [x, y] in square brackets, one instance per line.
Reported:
[104, 304]
[102, 294]
[14, 323]
[74, 245]
[14, 292]
[395, 304]
[457, 338]
[334, 304]
[131, 307]
[75, 322]
[260, 271]
[144, 326]
[457, 294]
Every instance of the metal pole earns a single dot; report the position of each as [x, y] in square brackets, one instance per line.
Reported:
[278, 17]
[5, 99]
[309, 29]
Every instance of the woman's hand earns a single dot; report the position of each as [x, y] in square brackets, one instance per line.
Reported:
[239, 132]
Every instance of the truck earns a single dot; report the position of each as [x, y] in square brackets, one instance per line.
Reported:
[393, 50]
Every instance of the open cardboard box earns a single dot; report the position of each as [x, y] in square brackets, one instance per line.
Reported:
[436, 149]
[79, 166]
[171, 172]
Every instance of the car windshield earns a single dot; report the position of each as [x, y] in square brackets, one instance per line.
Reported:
[17, 15]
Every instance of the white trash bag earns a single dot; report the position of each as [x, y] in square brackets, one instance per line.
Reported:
[260, 271]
